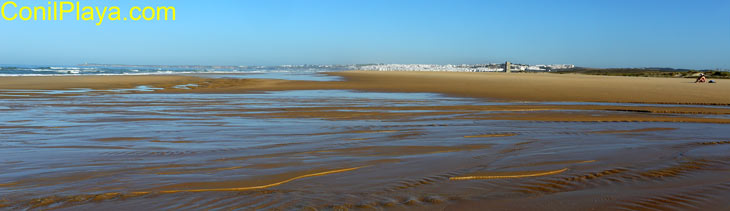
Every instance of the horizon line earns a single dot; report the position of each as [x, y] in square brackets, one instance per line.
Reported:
[202, 65]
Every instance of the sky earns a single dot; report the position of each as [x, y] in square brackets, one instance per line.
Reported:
[594, 33]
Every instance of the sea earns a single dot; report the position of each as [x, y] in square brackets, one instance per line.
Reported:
[85, 69]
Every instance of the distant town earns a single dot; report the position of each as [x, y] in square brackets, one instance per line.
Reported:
[493, 67]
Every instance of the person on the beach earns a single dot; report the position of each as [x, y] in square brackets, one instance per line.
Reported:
[701, 79]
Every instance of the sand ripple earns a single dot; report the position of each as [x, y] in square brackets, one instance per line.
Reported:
[507, 175]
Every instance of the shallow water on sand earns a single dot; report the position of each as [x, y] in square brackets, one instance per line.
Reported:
[197, 151]
[288, 75]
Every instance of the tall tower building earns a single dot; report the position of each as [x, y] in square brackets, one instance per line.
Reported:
[507, 67]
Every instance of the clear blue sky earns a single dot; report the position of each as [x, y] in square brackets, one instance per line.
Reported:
[597, 33]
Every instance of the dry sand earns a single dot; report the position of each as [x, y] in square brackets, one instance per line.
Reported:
[498, 86]
[545, 87]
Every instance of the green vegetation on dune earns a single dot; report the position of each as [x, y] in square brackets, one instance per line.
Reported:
[647, 72]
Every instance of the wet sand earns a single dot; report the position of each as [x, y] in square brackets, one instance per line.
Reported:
[224, 144]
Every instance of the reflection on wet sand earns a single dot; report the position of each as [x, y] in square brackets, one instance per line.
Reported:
[507, 175]
[235, 186]
[635, 130]
[362, 150]
[492, 135]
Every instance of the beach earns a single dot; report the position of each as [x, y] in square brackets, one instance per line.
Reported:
[364, 140]
[496, 86]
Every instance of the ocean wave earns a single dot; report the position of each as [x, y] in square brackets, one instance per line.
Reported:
[71, 75]
[60, 68]
[39, 70]
[77, 72]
